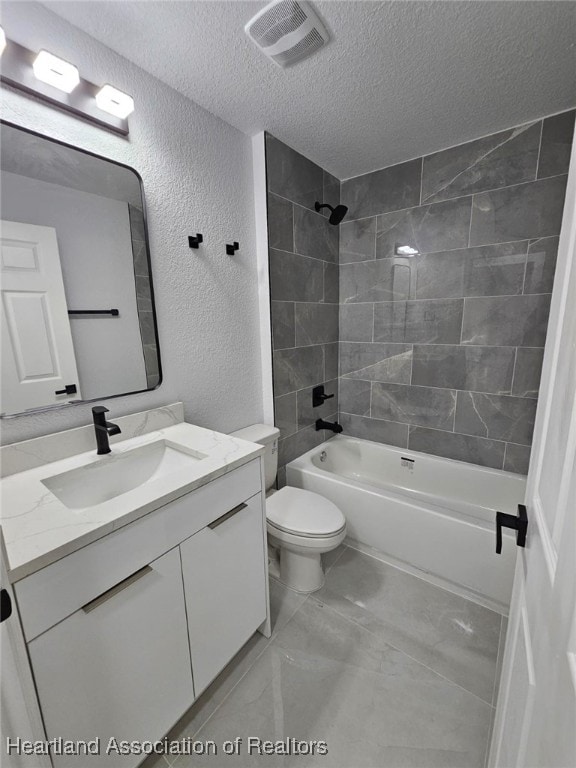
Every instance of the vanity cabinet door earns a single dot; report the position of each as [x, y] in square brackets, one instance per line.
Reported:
[224, 583]
[119, 667]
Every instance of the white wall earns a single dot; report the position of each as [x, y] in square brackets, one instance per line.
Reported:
[95, 250]
[197, 174]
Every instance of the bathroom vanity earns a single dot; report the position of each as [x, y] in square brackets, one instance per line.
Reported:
[131, 604]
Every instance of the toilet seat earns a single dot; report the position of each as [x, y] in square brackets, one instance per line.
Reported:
[303, 513]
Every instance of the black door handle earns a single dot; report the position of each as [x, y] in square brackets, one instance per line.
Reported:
[5, 605]
[519, 523]
[69, 389]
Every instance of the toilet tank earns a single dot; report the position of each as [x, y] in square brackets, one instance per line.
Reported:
[265, 435]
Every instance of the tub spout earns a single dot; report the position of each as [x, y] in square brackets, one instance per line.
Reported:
[334, 426]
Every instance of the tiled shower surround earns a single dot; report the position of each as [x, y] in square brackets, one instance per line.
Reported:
[441, 351]
[304, 296]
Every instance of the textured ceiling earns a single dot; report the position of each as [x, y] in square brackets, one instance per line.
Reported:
[398, 79]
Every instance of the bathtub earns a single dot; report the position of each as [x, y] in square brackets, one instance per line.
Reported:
[435, 516]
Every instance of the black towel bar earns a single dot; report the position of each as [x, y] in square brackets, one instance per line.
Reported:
[113, 312]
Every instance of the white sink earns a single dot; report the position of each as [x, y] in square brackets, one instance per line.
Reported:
[119, 473]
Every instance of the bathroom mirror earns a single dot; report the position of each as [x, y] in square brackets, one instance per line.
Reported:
[78, 317]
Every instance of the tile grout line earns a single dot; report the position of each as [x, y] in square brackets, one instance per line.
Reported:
[433, 343]
[470, 224]
[329, 261]
[459, 197]
[264, 648]
[454, 146]
[520, 128]
[498, 440]
[439, 298]
[514, 372]
[422, 180]
[427, 386]
[343, 547]
[461, 342]
[539, 148]
[300, 205]
[350, 620]
[526, 270]
[435, 253]
[197, 731]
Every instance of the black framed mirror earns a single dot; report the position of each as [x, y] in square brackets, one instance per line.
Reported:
[78, 316]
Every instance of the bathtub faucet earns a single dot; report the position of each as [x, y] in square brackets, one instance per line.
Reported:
[335, 427]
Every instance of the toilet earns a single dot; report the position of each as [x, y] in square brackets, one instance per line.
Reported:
[302, 525]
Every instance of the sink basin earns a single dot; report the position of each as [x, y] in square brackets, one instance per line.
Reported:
[116, 474]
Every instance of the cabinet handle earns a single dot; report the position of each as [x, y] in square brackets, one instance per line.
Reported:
[116, 589]
[226, 516]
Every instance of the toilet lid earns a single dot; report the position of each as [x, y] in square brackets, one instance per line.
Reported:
[302, 512]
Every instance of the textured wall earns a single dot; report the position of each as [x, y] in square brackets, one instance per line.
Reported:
[197, 178]
[304, 296]
[441, 352]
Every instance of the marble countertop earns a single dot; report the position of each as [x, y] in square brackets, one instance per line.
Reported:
[39, 529]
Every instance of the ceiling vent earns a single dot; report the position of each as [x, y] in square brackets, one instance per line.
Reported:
[287, 31]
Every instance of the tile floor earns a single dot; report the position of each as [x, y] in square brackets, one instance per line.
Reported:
[389, 670]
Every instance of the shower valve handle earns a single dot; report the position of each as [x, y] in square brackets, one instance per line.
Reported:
[519, 523]
[318, 396]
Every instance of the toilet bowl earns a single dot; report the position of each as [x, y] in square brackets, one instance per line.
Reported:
[302, 525]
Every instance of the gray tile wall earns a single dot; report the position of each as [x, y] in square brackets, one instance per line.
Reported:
[304, 255]
[144, 297]
[442, 352]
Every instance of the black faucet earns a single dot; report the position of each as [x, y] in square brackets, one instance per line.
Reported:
[334, 426]
[103, 429]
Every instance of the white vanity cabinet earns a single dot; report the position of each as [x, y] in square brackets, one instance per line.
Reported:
[119, 667]
[124, 633]
[223, 568]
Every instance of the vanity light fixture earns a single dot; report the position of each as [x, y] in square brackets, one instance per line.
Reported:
[2, 41]
[115, 102]
[59, 83]
[55, 71]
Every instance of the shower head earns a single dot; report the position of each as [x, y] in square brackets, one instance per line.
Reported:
[337, 213]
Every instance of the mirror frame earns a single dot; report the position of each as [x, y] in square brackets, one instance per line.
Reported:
[75, 404]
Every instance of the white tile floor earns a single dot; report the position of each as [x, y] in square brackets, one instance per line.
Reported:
[391, 671]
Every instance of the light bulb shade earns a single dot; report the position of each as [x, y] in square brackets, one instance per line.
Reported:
[2, 41]
[115, 102]
[57, 72]
[405, 250]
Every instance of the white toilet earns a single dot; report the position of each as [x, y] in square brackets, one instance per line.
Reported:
[302, 525]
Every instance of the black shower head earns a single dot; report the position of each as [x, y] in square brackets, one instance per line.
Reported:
[337, 213]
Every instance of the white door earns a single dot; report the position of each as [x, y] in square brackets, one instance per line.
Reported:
[536, 713]
[19, 710]
[38, 360]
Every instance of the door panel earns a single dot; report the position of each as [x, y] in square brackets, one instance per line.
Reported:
[19, 711]
[118, 667]
[536, 708]
[36, 333]
[225, 587]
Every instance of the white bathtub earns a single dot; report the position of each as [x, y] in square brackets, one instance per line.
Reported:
[432, 514]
